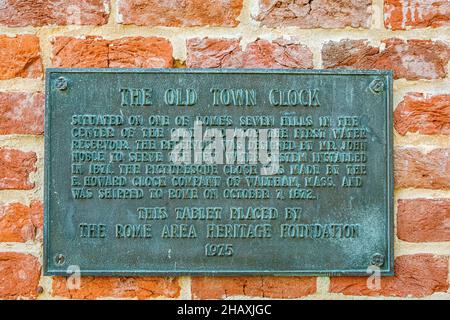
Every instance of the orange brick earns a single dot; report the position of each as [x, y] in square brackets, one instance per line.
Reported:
[47, 12]
[15, 169]
[19, 276]
[118, 287]
[19, 222]
[417, 275]
[188, 13]
[423, 220]
[315, 14]
[20, 57]
[401, 14]
[95, 52]
[227, 53]
[412, 59]
[416, 169]
[424, 114]
[267, 287]
[21, 113]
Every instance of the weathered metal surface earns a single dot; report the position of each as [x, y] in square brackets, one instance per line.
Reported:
[114, 204]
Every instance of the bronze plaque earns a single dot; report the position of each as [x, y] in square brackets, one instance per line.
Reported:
[231, 172]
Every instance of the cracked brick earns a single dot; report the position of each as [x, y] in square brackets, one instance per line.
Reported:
[227, 53]
[315, 13]
[96, 52]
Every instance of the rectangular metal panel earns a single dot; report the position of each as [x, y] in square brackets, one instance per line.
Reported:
[116, 204]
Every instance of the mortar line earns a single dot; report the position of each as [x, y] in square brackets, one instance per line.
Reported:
[186, 290]
[30, 247]
[413, 193]
[410, 248]
[378, 16]
[323, 285]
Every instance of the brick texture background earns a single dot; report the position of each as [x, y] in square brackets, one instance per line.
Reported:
[412, 38]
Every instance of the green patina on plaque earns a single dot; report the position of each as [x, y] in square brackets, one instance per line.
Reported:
[120, 201]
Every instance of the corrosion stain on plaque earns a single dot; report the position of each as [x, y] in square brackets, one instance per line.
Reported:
[218, 172]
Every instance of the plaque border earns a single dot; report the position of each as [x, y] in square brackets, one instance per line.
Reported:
[387, 270]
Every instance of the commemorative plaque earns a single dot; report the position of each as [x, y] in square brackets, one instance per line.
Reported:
[231, 172]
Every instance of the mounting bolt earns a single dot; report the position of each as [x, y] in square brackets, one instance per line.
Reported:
[377, 259]
[376, 86]
[60, 259]
[61, 83]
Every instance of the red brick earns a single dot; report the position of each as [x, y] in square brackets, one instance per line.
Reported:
[405, 14]
[412, 59]
[118, 287]
[268, 287]
[138, 52]
[424, 114]
[227, 53]
[423, 220]
[19, 276]
[186, 13]
[20, 57]
[91, 52]
[48, 12]
[21, 113]
[416, 169]
[19, 222]
[315, 13]
[415, 276]
[15, 169]
[347, 53]
[210, 53]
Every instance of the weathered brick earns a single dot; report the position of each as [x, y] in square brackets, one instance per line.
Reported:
[15, 169]
[138, 52]
[20, 13]
[315, 13]
[268, 287]
[423, 220]
[412, 59]
[210, 53]
[117, 287]
[404, 14]
[187, 13]
[21, 113]
[91, 52]
[415, 276]
[19, 276]
[347, 53]
[422, 113]
[416, 169]
[19, 222]
[20, 57]
[227, 53]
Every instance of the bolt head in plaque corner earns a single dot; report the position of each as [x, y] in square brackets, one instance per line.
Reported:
[377, 260]
[61, 84]
[377, 86]
[60, 259]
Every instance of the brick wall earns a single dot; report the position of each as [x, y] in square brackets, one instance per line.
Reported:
[410, 37]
